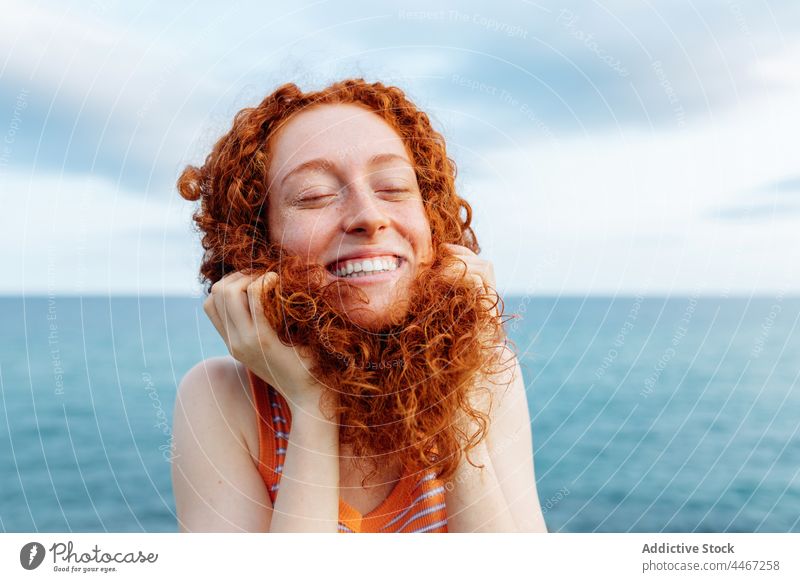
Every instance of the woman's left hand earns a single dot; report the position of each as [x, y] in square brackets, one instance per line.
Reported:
[479, 271]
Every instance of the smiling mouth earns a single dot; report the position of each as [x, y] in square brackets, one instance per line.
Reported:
[365, 269]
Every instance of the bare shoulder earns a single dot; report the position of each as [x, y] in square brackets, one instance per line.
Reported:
[216, 485]
[220, 385]
[510, 445]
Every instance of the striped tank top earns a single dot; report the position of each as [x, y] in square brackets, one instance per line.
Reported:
[415, 505]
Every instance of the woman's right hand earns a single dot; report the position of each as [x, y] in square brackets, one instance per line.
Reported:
[234, 307]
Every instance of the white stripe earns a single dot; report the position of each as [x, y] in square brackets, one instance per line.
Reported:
[428, 477]
[282, 435]
[430, 527]
[280, 451]
[431, 509]
[343, 527]
[425, 495]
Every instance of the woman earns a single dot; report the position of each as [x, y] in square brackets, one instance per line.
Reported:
[363, 329]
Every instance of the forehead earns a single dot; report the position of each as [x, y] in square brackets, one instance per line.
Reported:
[345, 134]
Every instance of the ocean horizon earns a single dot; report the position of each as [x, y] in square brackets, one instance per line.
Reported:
[649, 414]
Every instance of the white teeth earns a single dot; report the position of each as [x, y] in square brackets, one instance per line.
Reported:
[366, 267]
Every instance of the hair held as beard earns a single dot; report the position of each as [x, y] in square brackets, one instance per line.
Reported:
[404, 389]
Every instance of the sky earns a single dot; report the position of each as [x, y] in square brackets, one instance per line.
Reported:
[607, 148]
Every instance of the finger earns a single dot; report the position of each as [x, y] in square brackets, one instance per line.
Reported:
[255, 291]
[214, 307]
[229, 278]
[460, 267]
[482, 267]
[456, 274]
[479, 283]
[232, 305]
[488, 297]
[218, 287]
[459, 249]
[210, 307]
[479, 272]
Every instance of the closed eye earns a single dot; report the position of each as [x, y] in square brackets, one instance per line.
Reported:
[312, 198]
[323, 196]
[394, 191]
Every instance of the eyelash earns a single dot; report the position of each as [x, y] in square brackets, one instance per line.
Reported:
[313, 198]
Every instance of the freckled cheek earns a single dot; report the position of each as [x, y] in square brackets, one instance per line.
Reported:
[309, 238]
[418, 231]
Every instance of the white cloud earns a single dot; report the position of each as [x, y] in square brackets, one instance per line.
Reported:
[79, 235]
[780, 70]
[617, 209]
[628, 210]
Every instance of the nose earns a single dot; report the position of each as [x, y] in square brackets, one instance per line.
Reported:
[363, 212]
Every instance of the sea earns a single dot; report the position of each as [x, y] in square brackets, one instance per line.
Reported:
[648, 414]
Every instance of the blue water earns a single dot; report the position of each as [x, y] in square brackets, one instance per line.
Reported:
[651, 414]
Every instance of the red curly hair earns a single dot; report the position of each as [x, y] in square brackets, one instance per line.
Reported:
[402, 393]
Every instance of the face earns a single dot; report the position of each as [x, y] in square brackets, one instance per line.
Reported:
[343, 193]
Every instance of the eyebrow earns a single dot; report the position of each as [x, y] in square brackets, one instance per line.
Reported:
[323, 164]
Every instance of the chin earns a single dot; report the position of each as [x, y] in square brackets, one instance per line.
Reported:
[387, 307]
[378, 318]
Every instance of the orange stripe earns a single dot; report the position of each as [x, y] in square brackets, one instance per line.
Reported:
[399, 499]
